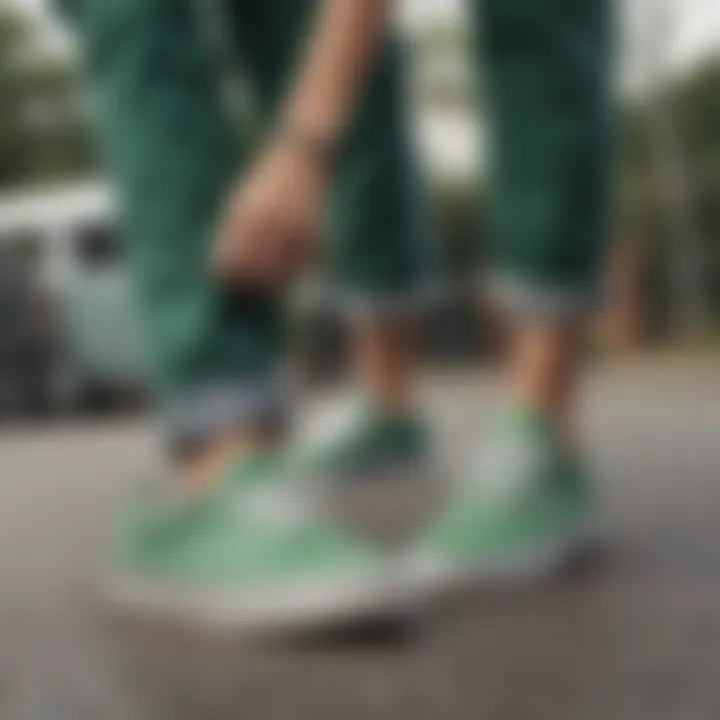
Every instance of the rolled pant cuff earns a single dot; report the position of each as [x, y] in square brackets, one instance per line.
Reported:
[361, 305]
[531, 299]
[197, 415]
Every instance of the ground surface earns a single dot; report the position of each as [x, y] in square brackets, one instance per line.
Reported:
[634, 636]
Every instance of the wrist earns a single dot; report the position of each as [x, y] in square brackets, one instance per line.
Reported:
[320, 145]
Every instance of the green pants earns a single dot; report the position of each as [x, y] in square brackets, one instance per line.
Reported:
[548, 71]
[173, 151]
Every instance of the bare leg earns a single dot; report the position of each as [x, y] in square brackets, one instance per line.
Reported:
[385, 363]
[201, 470]
[544, 371]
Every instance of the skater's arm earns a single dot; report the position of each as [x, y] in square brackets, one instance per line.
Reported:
[274, 218]
[343, 47]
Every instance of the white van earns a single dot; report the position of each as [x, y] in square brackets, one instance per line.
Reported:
[60, 252]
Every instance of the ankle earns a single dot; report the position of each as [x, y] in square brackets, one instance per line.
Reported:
[385, 360]
[391, 414]
[545, 370]
[206, 466]
[561, 426]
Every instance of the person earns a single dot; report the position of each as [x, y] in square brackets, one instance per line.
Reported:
[525, 505]
[214, 235]
[210, 268]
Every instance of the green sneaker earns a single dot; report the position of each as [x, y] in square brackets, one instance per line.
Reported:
[370, 445]
[374, 472]
[248, 555]
[522, 515]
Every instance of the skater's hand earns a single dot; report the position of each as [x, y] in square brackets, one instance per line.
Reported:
[273, 220]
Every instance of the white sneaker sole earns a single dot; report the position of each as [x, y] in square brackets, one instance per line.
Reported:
[429, 577]
[283, 610]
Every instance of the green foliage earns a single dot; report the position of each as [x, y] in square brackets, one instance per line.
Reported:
[459, 223]
[692, 106]
[42, 129]
[695, 103]
[443, 39]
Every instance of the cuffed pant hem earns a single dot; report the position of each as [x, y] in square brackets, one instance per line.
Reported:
[361, 305]
[530, 299]
[201, 413]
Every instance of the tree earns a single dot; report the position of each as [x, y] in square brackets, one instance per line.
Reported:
[42, 128]
[687, 132]
[672, 171]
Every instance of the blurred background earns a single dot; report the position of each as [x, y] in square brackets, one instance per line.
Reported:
[73, 343]
[638, 637]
